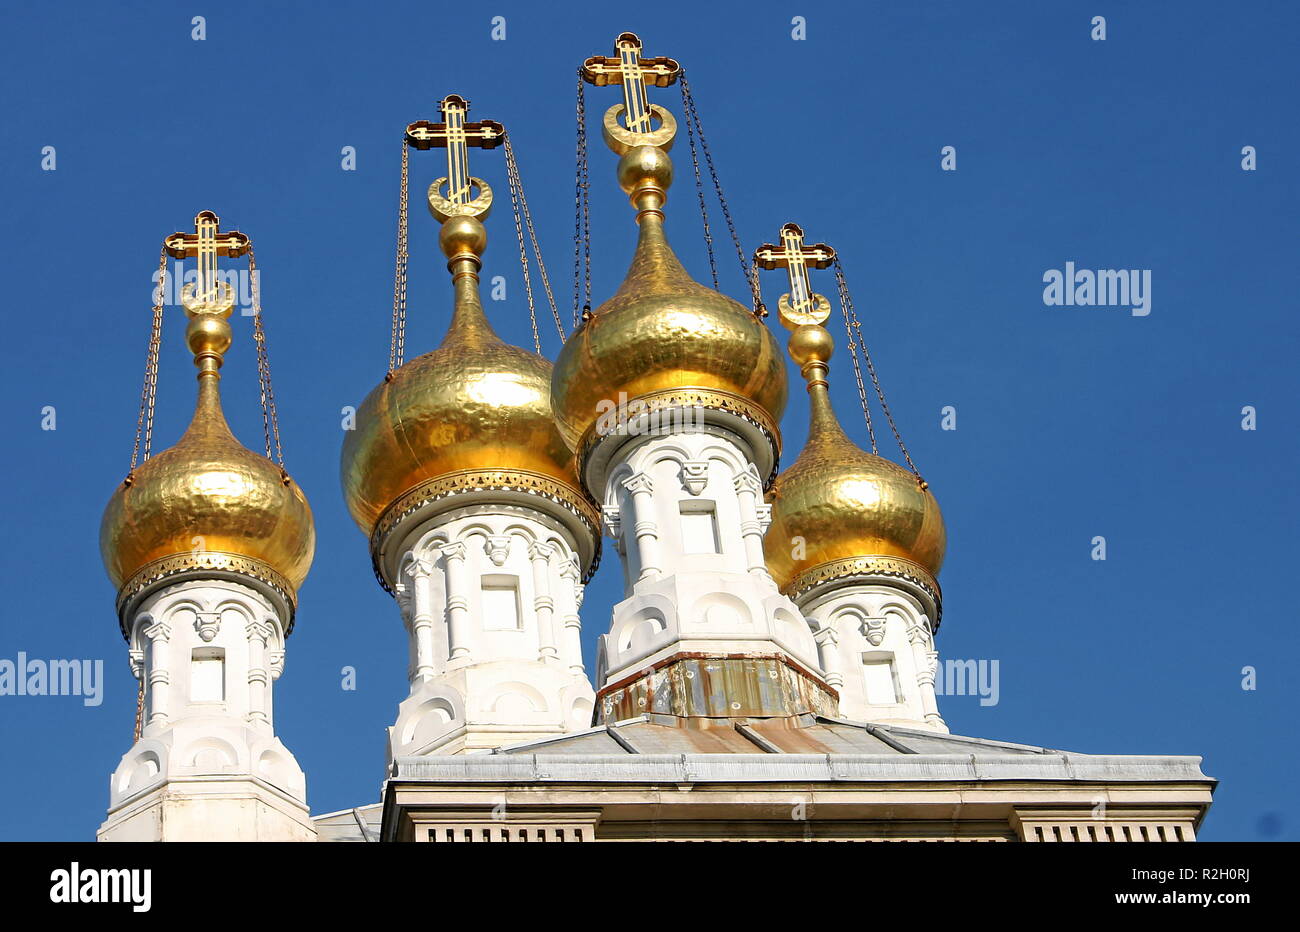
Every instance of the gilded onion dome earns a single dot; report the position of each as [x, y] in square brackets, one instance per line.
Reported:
[663, 340]
[839, 511]
[472, 415]
[208, 505]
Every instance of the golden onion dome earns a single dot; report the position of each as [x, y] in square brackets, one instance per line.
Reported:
[839, 511]
[208, 504]
[664, 340]
[472, 415]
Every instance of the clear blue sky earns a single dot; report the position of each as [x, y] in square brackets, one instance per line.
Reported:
[1072, 421]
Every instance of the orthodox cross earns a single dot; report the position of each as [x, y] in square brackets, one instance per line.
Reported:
[802, 305]
[206, 243]
[456, 136]
[628, 68]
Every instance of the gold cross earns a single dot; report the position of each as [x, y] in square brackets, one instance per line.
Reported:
[206, 243]
[628, 68]
[801, 306]
[456, 136]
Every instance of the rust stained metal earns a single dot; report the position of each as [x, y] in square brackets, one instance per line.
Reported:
[699, 688]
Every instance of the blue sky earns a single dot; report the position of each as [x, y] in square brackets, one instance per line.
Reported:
[1072, 422]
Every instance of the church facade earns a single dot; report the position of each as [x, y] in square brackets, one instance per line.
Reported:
[769, 673]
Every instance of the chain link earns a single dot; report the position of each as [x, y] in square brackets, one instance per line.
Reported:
[139, 707]
[523, 253]
[149, 389]
[270, 419]
[853, 327]
[699, 191]
[692, 114]
[581, 216]
[397, 344]
[519, 201]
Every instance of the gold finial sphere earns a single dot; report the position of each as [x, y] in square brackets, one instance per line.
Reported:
[208, 335]
[463, 237]
[645, 167]
[810, 343]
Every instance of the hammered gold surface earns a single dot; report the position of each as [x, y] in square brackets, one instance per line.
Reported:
[208, 493]
[838, 502]
[473, 403]
[663, 331]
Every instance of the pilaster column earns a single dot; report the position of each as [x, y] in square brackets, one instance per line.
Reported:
[543, 603]
[927, 662]
[571, 601]
[258, 676]
[828, 651]
[645, 528]
[752, 525]
[458, 620]
[422, 620]
[157, 672]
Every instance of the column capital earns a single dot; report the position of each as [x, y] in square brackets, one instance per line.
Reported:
[455, 550]
[747, 481]
[258, 629]
[638, 483]
[419, 568]
[919, 632]
[540, 550]
[613, 519]
[158, 632]
[827, 636]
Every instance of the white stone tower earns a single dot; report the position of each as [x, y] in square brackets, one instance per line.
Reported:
[476, 520]
[669, 393]
[207, 543]
[855, 540]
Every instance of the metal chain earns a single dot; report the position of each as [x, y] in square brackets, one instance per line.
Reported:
[854, 329]
[853, 354]
[139, 707]
[270, 419]
[581, 215]
[693, 116]
[523, 254]
[699, 191]
[397, 344]
[519, 201]
[149, 390]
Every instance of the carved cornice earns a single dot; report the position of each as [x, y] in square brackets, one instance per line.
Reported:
[887, 568]
[467, 481]
[706, 399]
[197, 563]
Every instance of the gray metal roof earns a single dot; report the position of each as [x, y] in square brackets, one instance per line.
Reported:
[649, 734]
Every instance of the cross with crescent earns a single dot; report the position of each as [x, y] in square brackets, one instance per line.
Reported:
[206, 243]
[628, 68]
[802, 305]
[456, 136]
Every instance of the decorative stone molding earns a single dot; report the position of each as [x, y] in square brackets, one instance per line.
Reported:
[695, 476]
[207, 624]
[570, 499]
[873, 629]
[497, 547]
